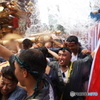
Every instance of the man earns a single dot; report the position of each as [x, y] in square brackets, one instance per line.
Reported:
[95, 15]
[29, 69]
[8, 86]
[78, 52]
[75, 74]
[26, 44]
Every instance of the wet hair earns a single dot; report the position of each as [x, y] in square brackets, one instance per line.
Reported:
[8, 73]
[72, 39]
[33, 61]
[27, 43]
[44, 50]
[65, 48]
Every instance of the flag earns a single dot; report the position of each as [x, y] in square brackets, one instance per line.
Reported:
[94, 81]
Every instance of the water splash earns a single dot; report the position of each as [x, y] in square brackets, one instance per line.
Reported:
[71, 16]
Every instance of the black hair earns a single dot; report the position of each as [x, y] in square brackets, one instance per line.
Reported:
[33, 61]
[72, 38]
[27, 43]
[44, 50]
[65, 48]
[8, 73]
[98, 10]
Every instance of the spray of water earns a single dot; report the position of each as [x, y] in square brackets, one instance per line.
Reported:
[70, 16]
[73, 15]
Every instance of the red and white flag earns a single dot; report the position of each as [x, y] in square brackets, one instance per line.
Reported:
[94, 82]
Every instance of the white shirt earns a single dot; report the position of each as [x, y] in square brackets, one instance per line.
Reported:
[65, 79]
[74, 57]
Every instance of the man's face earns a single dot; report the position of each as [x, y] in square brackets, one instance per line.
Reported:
[73, 47]
[6, 85]
[64, 57]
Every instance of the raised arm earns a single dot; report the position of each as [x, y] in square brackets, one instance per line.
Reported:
[86, 51]
[97, 11]
[54, 54]
[5, 53]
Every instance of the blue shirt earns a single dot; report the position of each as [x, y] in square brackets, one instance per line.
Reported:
[18, 94]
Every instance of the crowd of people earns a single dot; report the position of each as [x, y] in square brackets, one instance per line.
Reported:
[45, 71]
